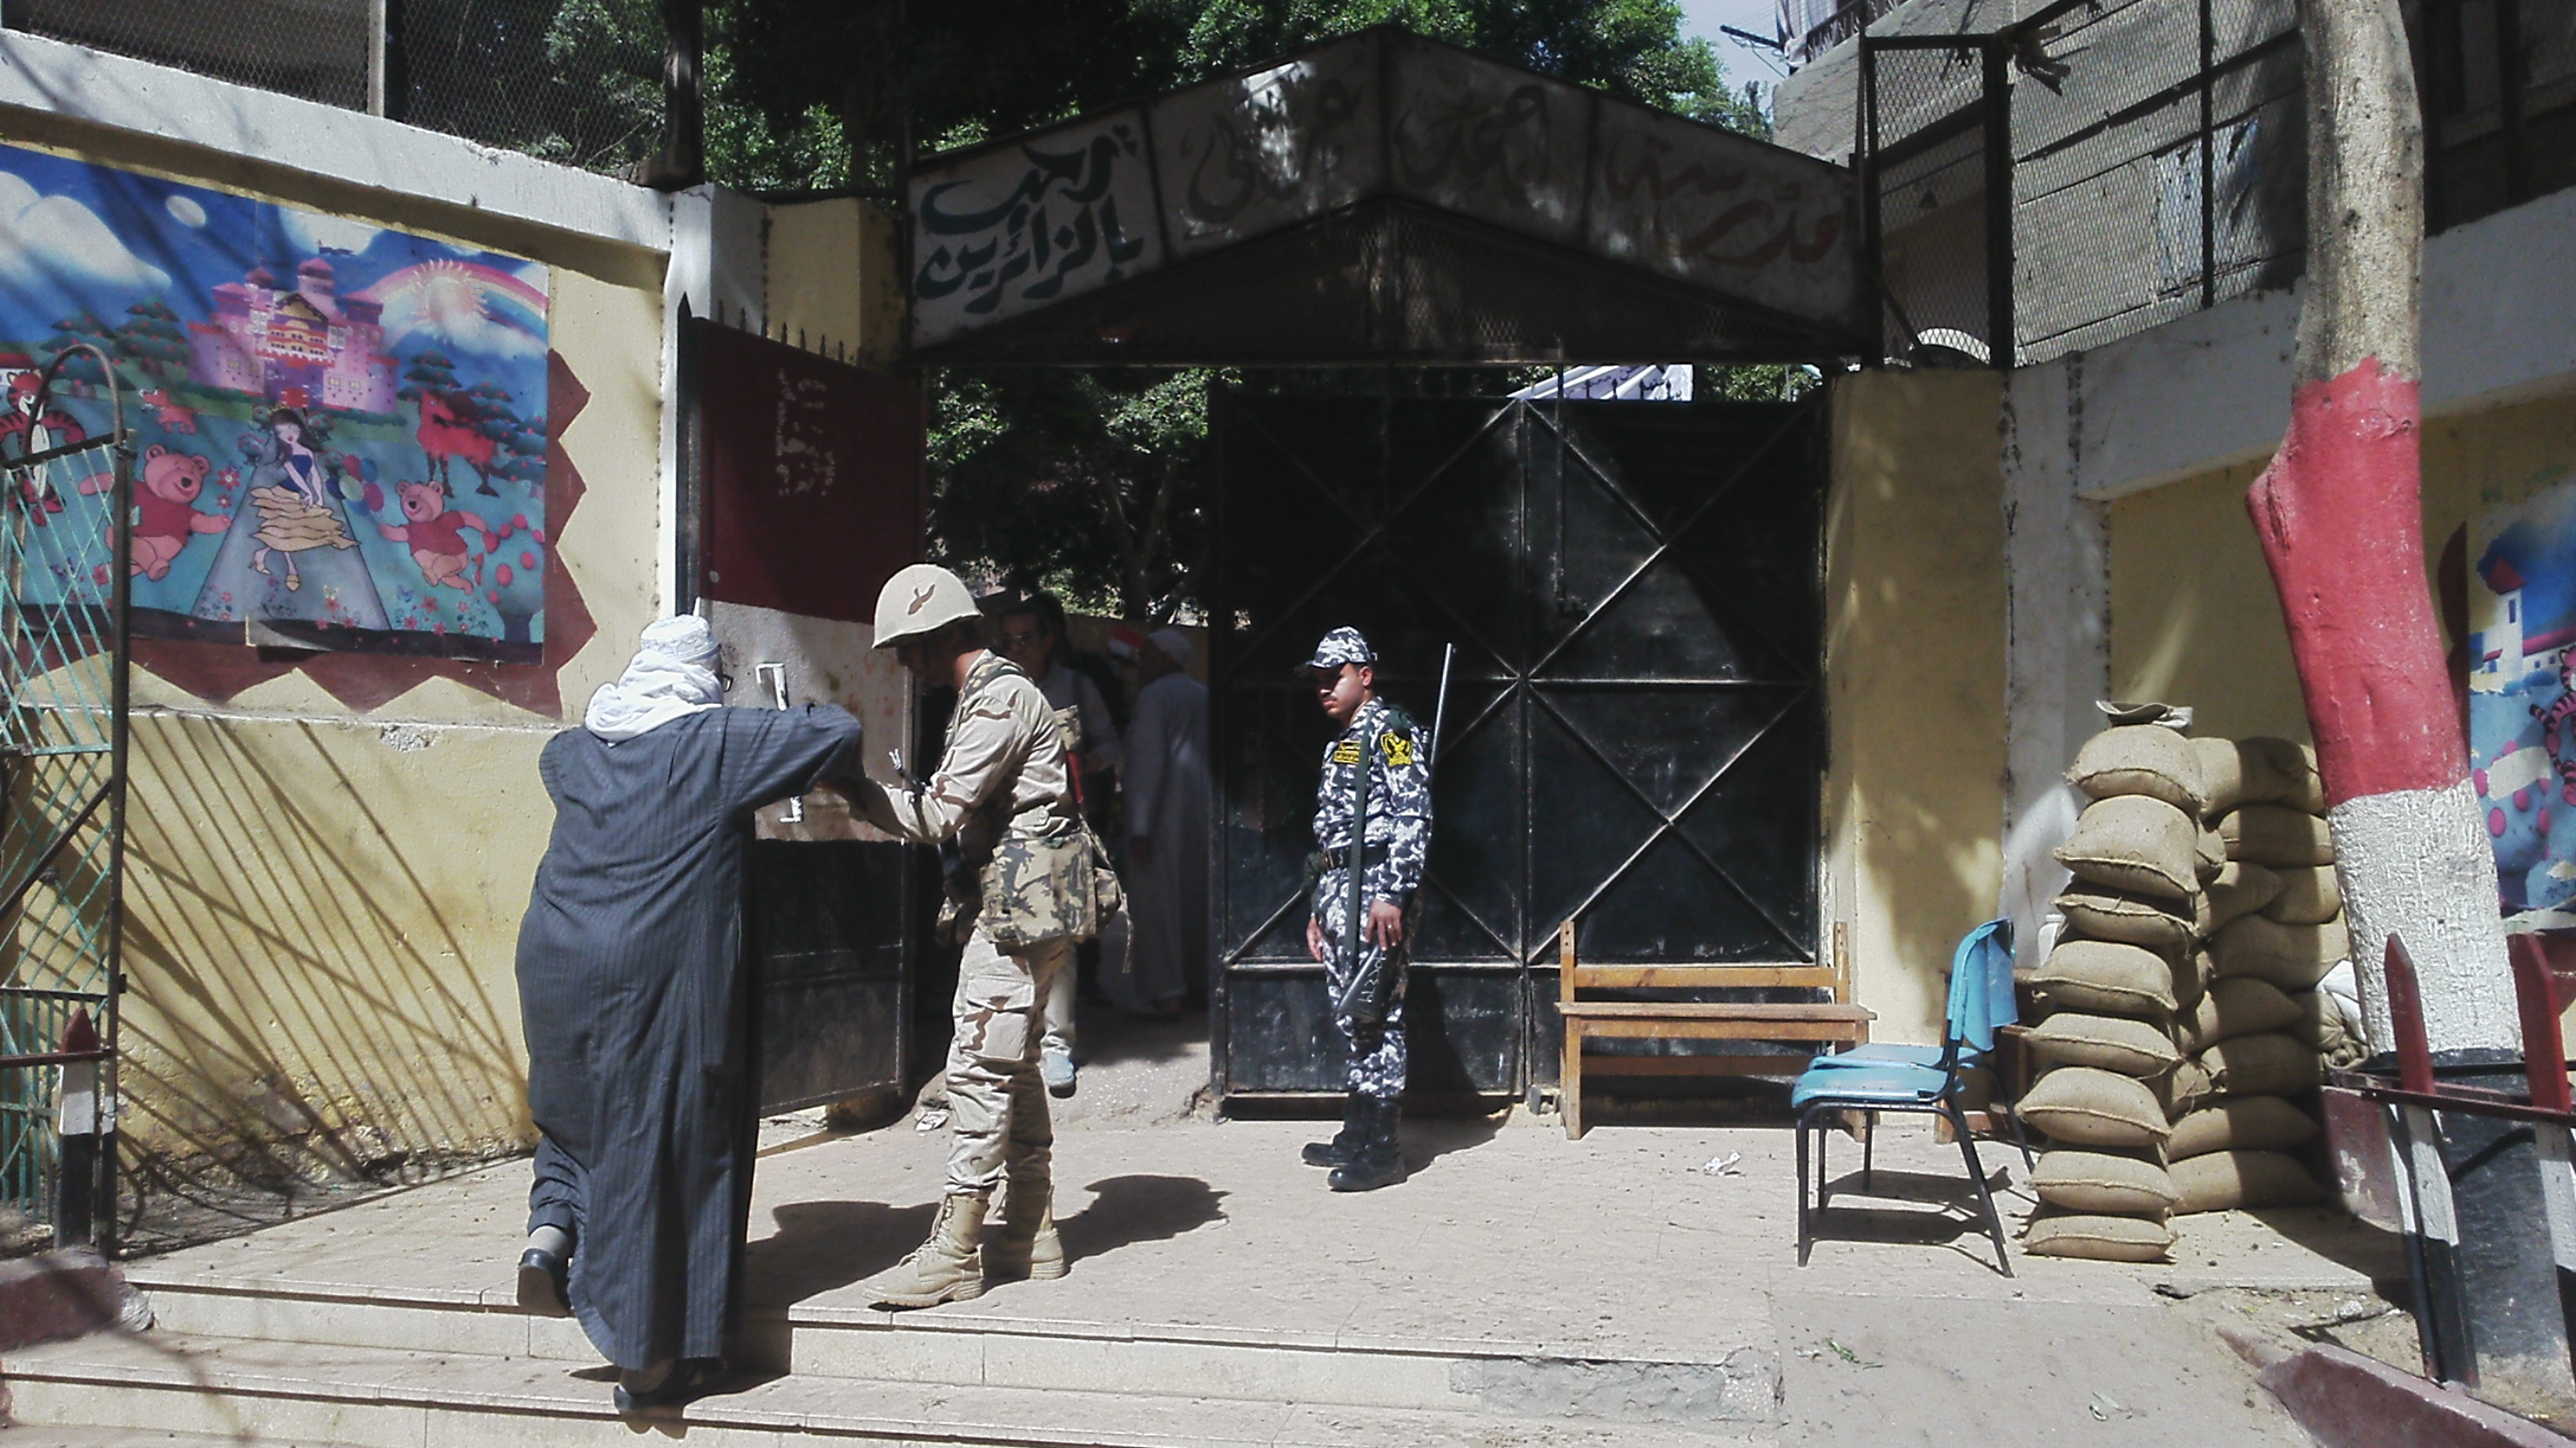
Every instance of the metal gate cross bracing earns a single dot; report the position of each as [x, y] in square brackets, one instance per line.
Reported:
[1635, 730]
[64, 652]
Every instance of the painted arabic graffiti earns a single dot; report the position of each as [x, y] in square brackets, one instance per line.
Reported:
[1272, 149]
[1714, 209]
[1471, 143]
[340, 430]
[1007, 230]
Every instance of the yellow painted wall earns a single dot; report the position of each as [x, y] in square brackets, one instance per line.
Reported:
[831, 276]
[1914, 664]
[2194, 619]
[323, 905]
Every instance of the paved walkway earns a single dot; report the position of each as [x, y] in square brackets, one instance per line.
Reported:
[1623, 1245]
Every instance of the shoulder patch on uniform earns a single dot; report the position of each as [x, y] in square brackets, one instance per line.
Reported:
[1347, 752]
[1398, 748]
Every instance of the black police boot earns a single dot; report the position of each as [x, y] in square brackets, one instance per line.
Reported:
[1345, 1142]
[1379, 1162]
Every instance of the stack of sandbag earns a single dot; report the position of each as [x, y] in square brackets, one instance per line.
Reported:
[2261, 1031]
[2122, 971]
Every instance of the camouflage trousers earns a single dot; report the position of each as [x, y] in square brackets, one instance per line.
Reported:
[1376, 1050]
[997, 1105]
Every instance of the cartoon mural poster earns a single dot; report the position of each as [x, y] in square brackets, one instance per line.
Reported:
[2522, 709]
[339, 430]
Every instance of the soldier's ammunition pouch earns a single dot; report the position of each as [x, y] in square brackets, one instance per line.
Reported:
[1040, 887]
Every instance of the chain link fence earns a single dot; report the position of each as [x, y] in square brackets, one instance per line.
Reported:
[577, 82]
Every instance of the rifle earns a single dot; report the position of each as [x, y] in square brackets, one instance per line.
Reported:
[1364, 1002]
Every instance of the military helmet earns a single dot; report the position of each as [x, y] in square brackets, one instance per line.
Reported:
[921, 598]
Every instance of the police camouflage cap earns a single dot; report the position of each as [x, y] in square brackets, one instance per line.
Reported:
[1343, 645]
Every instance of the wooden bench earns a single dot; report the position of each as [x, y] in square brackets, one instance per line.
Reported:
[1827, 1024]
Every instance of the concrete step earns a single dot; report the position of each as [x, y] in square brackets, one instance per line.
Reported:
[366, 1397]
[1739, 1382]
[25, 1435]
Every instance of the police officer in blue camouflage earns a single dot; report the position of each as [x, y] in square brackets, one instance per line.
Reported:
[1375, 772]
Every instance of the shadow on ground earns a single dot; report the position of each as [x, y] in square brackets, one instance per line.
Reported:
[820, 1246]
[1427, 1140]
[1127, 1210]
[1110, 1036]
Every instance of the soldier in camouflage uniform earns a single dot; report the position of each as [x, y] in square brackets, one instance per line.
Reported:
[1375, 765]
[1024, 895]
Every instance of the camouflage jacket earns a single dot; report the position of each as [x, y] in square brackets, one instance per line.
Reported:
[1383, 740]
[1002, 792]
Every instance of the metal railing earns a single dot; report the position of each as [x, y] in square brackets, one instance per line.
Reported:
[65, 640]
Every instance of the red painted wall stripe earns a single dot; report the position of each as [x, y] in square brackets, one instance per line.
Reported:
[2341, 516]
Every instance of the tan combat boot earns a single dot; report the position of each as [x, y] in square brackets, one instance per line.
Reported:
[946, 1267]
[1024, 1243]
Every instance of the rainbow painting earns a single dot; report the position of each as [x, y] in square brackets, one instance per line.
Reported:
[339, 429]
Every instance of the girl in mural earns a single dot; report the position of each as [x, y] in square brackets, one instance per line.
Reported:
[289, 532]
[291, 485]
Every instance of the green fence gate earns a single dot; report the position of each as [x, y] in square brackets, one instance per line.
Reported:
[64, 650]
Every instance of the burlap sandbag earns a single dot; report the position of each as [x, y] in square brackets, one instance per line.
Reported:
[2146, 759]
[2238, 1005]
[2274, 1063]
[2240, 1123]
[2191, 977]
[2162, 925]
[2295, 765]
[2135, 842]
[2219, 1181]
[2321, 1027]
[2257, 771]
[2113, 1043]
[2097, 1237]
[2103, 1181]
[2208, 854]
[2293, 957]
[2107, 978]
[2088, 1106]
[2240, 889]
[2309, 895]
[2183, 1091]
[2276, 835]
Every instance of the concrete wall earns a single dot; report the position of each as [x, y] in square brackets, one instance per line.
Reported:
[1914, 663]
[834, 278]
[329, 854]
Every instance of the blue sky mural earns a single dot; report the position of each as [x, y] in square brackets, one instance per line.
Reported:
[340, 430]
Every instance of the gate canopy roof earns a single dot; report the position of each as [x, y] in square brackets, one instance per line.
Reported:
[1383, 198]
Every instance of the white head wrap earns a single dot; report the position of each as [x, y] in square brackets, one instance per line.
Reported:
[673, 675]
[1174, 644]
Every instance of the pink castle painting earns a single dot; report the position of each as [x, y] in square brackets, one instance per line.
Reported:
[264, 339]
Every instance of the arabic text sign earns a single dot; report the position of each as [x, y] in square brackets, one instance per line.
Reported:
[1011, 229]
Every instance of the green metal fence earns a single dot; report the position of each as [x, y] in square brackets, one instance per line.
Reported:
[63, 666]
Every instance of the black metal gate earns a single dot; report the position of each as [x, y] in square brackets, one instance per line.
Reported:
[828, 922]
[1635, 726]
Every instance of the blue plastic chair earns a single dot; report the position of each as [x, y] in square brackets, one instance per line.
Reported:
[2000, 1010]
[1981, 998]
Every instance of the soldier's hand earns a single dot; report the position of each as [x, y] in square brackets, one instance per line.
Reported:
[1385, 924]
[1314, 938]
